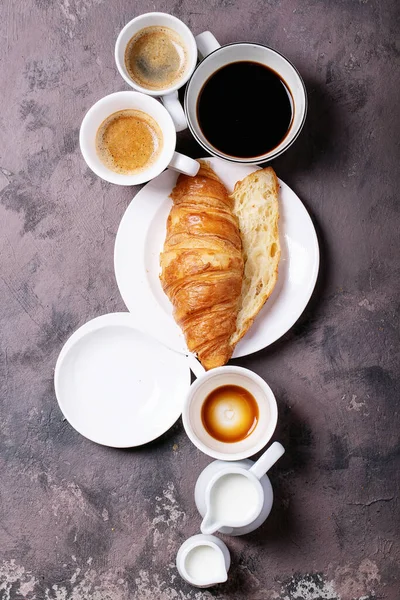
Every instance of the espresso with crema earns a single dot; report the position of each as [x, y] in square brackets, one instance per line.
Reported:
[129, 141]
[156, 58]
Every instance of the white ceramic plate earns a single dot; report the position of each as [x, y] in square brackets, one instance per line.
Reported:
[116, 385]
[140, 239]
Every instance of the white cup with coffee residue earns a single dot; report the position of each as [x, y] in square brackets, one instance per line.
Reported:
[164, 133]
[156, 53]
[227, 413]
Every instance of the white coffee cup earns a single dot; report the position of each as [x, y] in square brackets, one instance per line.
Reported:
[133, 100]
[203, 386]
[169, 96]
[217, 56]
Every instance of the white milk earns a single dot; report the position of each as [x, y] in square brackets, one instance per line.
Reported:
[233, 498]
[204, 564]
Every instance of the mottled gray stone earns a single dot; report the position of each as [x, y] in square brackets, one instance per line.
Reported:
[79, 521]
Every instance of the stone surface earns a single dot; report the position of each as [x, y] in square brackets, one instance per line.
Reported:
[79, 521]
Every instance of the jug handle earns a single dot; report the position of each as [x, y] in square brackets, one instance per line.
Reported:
[268, 459]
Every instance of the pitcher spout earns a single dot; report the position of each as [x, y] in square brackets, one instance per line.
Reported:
[209, 525]
[222, 577]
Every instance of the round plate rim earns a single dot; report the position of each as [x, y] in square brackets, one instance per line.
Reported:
[314, 245]
[95, 324]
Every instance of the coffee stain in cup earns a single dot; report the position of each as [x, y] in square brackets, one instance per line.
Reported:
[230, 413]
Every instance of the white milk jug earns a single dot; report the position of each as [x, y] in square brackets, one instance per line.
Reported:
[236, 497]
[203, 560]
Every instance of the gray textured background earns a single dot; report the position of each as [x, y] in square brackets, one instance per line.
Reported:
[79, 521]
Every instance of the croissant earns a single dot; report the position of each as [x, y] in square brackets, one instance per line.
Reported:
[202, 265]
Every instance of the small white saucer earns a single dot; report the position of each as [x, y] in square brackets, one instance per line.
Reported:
[118, 386]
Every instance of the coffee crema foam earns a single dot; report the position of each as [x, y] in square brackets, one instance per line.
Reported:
[129, 141]
[156, 58]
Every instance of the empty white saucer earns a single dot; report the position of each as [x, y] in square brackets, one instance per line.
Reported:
[118, 386]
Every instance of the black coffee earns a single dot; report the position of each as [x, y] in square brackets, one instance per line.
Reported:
[245, 109]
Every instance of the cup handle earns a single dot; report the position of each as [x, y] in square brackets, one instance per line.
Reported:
[174, 107]
[184, 164]
[195, 365]
[268, 459]
[206, 43]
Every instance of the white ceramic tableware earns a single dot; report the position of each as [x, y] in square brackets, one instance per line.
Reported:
[133, 100]
[203, 561]
[141, 236]
[217, 56]
[219, 465]
[169, 96]
[234, 496]
[116, 385]
[203, 386]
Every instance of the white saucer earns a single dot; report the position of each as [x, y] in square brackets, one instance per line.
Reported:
[140, 239]
[116, 385]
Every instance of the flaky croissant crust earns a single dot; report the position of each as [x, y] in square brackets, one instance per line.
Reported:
[202, 265]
